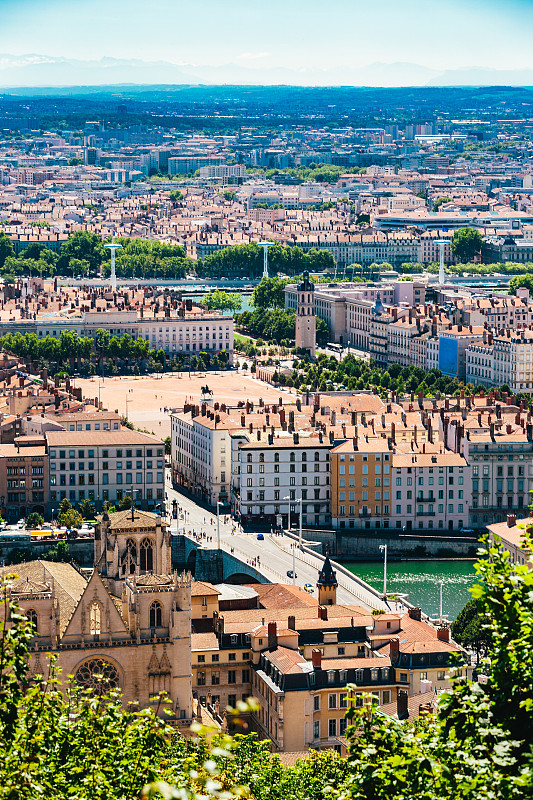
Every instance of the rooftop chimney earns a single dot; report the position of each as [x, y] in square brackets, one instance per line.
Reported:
[443, 634]
[402, 706]
[272, 635]
[316, 656]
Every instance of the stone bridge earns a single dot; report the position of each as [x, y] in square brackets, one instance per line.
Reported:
[214, 566]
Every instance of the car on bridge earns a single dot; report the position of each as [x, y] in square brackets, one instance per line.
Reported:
[261, 537]
[309, 588]
[291, 574]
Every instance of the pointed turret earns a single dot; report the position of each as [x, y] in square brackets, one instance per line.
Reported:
[327, 584]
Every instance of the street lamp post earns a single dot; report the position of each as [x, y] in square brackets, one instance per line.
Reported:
[383, 549]
[300, 532]
[293, 563]
[218, 523]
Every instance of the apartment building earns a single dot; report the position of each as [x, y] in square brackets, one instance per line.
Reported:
[201, 452]
[282, 476]
[23, 478]
[361, 484]
[376, 485]
[510, 535]
[504, 359]
[500, 454]
[302, 669]
[105, 467]
[453, 343]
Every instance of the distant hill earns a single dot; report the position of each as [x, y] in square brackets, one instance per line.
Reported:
[34, 70]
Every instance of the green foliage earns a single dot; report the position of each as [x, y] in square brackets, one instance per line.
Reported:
[74, 162]
[67, 516]
[86, 509]
[59, 552]
[469, 629]
[176, 196]
[227, 194]
[6, 249]
[478, 746]
[440, 201]
[521, 281]
[274, 326]
[466, 244]
[82, 245]
[219, 300]
[246, 260]
[167, 441]
[270, 293]
[34, 520]
[125, 503]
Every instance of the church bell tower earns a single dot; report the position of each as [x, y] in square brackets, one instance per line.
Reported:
[305, 335]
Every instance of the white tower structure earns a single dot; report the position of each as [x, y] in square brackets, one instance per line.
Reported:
[265, 246]
[305, 334]
[113, 246]
[442, 244]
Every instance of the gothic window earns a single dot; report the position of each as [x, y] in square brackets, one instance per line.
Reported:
[95, 618]
[147, 555]
[32, 616]
[97, 674]
[156, 613]
[130, 557]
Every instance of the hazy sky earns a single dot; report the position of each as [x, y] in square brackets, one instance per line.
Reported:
[292, 33]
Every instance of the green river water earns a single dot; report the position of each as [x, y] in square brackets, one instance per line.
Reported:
[420, 580]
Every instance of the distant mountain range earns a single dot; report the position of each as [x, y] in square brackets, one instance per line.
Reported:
[46, 71]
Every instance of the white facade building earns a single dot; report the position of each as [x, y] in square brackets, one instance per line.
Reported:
[105, 466]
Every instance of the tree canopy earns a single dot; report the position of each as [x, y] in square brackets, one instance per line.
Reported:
[219, 300]
[520, 281]
[466, 244]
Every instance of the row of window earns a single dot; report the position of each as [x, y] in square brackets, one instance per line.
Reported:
[79, 480]
[80, 495]
[215, 677]
[149, 452]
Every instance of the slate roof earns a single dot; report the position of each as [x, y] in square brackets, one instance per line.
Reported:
[67, 582]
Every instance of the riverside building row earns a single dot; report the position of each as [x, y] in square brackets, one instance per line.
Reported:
[354, 462]
[162, 319]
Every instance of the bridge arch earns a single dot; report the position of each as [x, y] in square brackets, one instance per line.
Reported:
[238, 578]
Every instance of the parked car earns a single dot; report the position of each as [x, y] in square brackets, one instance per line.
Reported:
[260, 537]
[291, 574]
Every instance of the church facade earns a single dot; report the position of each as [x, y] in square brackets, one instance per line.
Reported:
[129, 621]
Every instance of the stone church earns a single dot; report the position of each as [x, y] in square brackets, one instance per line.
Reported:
[129, 621]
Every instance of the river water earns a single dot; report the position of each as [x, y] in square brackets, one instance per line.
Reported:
[420, 580]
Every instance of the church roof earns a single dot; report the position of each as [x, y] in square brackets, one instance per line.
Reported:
[23, 586]
[121, 520]
[327, 575]
[153, 580]
[67, 583]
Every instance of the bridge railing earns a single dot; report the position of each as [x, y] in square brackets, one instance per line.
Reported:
[307, 555]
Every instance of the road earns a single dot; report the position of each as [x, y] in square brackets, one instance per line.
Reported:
[277, 554]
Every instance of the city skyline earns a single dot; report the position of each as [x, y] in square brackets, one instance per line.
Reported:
[342, 43]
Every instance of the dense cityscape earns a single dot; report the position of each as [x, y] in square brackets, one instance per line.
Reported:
[260, 346]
